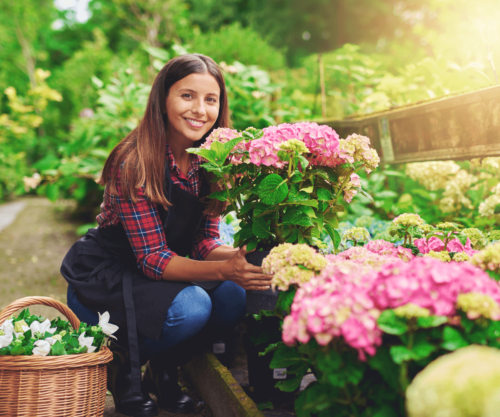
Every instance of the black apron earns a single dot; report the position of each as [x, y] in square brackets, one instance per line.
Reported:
[102, 268]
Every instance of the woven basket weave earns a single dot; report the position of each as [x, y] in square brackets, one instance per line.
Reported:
[43, 386]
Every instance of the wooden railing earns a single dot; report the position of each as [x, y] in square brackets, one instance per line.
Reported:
[464, 126]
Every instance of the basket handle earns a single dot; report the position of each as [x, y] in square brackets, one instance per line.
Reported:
[46, 301]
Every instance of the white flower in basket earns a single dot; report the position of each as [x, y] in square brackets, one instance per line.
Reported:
[42, 348]
[54, 339]
[87, 342]
[40, 328]
[6, 333]
[107, 327]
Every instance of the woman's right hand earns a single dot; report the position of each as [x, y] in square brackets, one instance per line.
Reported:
[246, 275]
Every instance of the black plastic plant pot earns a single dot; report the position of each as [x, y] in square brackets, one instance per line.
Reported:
[260, 300]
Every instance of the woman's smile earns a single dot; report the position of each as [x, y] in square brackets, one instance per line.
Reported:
[194, 123]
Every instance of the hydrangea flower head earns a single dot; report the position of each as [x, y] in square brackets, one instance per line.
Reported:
[443, 256]
[224, 135]
[460, 257]
[477, 238]
[408, 219]
[294, 145]
[411, 310]
[292, 265]
[488, 258]
[478, 305]
[356, 234]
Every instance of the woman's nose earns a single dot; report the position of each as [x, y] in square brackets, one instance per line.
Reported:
[199, 107]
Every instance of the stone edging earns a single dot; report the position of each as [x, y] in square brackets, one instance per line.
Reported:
[218, 388]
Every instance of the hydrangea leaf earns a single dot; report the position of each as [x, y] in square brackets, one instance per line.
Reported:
[284, 357]
[383, 363]
[452, 339]
[324, 194]
[401, 354]
[431, 321]
[219, 195]
[295, 216]
[261, 228]
[252, 245]
[272, 190]
[208, 154]
[389, 323]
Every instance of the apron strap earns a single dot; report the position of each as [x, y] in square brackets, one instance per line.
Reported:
[133, 344]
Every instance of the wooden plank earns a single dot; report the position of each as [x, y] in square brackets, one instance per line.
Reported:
[459, 127]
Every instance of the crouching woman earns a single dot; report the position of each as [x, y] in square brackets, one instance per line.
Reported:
[154, 216]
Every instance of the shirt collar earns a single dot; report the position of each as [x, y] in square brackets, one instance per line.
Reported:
[193, 168]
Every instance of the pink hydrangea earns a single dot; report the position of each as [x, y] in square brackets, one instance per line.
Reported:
[437, 245]
[383, 247]
[346, 299]
[351, 188]
[319, 139]
[223, 135]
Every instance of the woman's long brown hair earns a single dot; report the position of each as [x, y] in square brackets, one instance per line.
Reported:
[143, 150]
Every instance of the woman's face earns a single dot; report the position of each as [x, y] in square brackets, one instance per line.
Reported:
[192, 107]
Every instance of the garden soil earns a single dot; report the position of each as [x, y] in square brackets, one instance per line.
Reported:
[32, 247]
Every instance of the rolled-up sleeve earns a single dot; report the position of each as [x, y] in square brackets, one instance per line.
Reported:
[207, 238]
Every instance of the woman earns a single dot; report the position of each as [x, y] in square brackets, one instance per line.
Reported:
[155, 213]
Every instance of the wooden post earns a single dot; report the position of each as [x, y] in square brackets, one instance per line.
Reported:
[322, 82]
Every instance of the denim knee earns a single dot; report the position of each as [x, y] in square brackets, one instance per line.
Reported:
[189, 312]
[82, 312]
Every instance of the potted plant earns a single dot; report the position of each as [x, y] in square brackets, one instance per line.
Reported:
[285, 183]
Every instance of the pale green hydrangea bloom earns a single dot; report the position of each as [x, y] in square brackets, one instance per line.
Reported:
[478, 305]
[292, 264]
[357, 234]
[494, 235]
[294, 145]
[461, 257]
[442, 256]
[488, 258]
[408, 219]
[432, 175]
[411, 310]
[477, 238]
[465, 383]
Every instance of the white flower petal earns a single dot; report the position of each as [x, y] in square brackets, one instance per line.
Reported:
[107, 327]
[42, 348]
[6, 340]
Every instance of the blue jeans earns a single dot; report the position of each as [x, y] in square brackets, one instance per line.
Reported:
[192, 310]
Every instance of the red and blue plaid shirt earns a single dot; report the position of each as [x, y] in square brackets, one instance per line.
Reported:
[143, 225]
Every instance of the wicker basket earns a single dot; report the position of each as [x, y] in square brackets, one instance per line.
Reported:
[39, 386]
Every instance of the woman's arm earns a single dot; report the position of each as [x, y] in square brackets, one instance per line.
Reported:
[221, 253]
[235, 269]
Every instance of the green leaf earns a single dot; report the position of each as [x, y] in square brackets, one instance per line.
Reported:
[389, 323]
[401, 354]
[292, 238]
[365, 194]
[432, 321]
[272, 347]
[334, 235]
[285, 356]
[17, 350]
[422, 348]
[208, 154]
[219, 195]
[252, 245]
[296, 177]
[324, 194]
[57, 349]
[303, 162]
[285, 300]
[331, 219]
[52, 192]
[232, 143]
[308, 189]
[295, 216]
[261, 228]
[293, 384]
[452, 339]
[272, 190]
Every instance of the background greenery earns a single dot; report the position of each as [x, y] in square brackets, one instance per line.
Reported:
[69, 91]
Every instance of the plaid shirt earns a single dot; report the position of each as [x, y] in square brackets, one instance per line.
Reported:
[143, 225]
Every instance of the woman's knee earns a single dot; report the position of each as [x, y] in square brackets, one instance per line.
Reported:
[191, 308]
[230, 299]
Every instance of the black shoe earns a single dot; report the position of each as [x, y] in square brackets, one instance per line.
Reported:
[119, 384]
[160, 379]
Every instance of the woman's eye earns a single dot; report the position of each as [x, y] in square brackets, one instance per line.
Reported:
[213, 100]
[187, 95]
